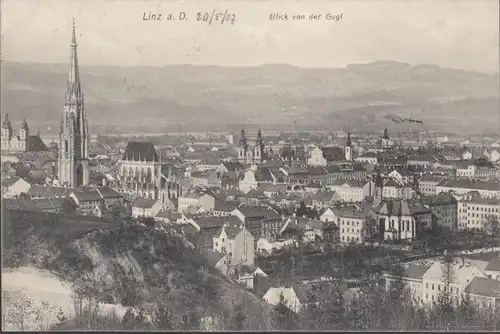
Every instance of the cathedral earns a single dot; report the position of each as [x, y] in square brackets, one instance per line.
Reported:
[73, 162]
[141, 173]
[251, 154]
[22, 143]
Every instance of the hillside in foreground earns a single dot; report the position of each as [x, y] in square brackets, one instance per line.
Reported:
[134, 267]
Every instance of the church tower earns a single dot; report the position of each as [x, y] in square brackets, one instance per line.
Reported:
[24, 133]
[348, 149]
[6, 129]
[73, 163]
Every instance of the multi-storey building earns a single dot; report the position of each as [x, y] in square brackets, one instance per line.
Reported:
[443, 208]
[487, 189]
[474, 211]
[427, 184]
[353, 190]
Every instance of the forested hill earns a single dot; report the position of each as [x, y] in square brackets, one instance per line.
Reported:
[136, 267]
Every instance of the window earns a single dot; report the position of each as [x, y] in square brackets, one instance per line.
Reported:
[427, 285]
[432, 286]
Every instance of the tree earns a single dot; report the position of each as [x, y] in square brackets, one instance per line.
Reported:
[283, 316]
[129, 321]
[445, 307]
[492, 227]
[238, 319]
[163, 317]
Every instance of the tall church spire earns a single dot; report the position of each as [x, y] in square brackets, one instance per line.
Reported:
[73, 90]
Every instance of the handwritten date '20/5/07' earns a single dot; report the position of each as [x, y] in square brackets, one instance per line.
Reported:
[207, 17]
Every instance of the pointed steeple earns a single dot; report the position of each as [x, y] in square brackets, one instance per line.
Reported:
[73, 90]
[386, 135]
[348, 143]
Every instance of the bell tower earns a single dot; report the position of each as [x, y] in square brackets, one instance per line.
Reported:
[73, 163]
[348, 149]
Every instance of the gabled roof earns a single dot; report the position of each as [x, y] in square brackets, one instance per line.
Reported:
[324, 196]
[144, 203]
[107, 192]
[258, 212]
[35, 144]
[140, 151]
[494, 264]
[416, 271]
[487, 287]
[226, 206]
[50, 192]
[208, 222]
[87, 195]
[213, 257]
[232, 231]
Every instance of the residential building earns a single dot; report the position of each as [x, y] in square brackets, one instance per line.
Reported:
[427, 184]
[238, 243]
[487, 189]
[323, 200]
[351, 222]
[475, 211]
[87, 200]
[146, 207]
[444, 209]
[14, 186]
[204, 201]
[394, 189]
[352, 190]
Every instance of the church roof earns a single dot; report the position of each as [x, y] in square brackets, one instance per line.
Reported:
[140, 151]
[35, 143]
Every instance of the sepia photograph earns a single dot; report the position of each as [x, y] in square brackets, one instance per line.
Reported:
[253, 165]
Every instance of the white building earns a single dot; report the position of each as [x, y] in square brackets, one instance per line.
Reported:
[14, 186]
[238, 243]
[352, 190]
[474, 211]
[196, 200]
[146, 207]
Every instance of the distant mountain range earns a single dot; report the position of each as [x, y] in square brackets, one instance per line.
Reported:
[357, 97]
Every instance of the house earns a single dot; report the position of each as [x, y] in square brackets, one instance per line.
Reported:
[146, 207]
[444, 208]
[218, 261]
[167, 216]
[272, 297]
[110, 196]
[352, 222]
[54, 205]
[485, 292]
[246, 214]
[224, 208]
[323, 199]
[87, 200]
[331, 233]
[14, 186]
[271, 227]
[370, 158]
[328, 216]
[266, 245]
[313, 230]
[433, 280]
[352, 190]
[427, 184]
[255, 197]
[238, 243]
[492, 270]
[412, 277]
[461, 186]
[204, 201]
[394, 189]
[474, 211]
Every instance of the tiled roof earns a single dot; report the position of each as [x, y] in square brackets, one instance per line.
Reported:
[50, 192]
[324, 196]
[258, 212]
[441, 199]
[333, 153]
[233, 165]
[87, 195]
[37, 204]
[226, 206]
[484, 287]
[216, 221]
[144, 203]
[35, 143]
[431, 178]
[9, 181]
[494, 264]
[232, 231]
[263, 174]
[140, 151]
[213, 257]
[107, 192]
[470, 184]
[416, 271]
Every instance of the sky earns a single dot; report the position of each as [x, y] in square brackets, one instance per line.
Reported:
[462, 34]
